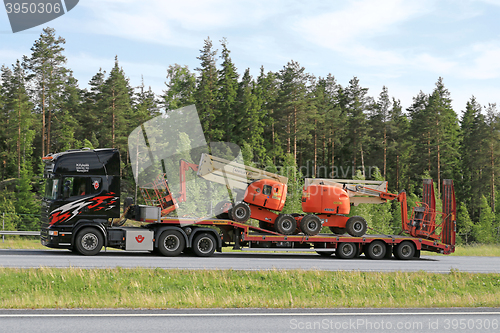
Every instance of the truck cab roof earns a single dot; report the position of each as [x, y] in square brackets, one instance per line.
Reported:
[103, 161]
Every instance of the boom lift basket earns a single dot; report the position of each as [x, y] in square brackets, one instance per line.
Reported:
[158, 194]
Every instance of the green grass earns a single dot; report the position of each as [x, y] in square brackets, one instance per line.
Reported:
[476, 250]
[159, 288]
[17, 242]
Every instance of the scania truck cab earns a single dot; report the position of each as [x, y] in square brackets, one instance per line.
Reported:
[82, 200]
[81, 192]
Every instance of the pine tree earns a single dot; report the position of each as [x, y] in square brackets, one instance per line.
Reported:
[493, 150]
[20, 121]
[48, 73]
[294, 106]
[181, 87]
[65, 126]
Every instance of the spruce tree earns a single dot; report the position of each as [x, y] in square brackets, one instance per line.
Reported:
[207, 94]
[484, 231]
[249, 126]
[117, 105]
[227, 96]
[267, 94]
[355, 105]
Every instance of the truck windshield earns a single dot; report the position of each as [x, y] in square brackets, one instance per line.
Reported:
[51, 188]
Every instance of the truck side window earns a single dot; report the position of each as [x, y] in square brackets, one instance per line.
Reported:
[75, 186]
[267, 189]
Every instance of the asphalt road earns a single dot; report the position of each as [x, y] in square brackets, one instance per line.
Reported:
[252, 320]
[244, 261]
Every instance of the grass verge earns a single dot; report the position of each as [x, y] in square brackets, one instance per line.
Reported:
[158, 288]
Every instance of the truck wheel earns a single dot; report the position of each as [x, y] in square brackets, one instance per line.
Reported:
[204, 245]
[171, 243]
[346, 250]
[310, 225]
[240, 212]
[285, 224]
[89, 242]
[405, 250]
[376, 250]
[337, 230]
[356, 226]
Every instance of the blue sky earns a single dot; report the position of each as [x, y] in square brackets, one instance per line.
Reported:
[404, 45]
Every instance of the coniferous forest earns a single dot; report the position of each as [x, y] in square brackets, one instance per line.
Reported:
[284, 120]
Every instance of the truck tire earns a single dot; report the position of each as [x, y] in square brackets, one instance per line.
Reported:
[240, 212]
[171, 243]
[285, 224]
[346, 250]
[356, 226]
[89, 241]
[204, 245]
[376, 250]
[405, 250]
[310, 225]
[337, 230]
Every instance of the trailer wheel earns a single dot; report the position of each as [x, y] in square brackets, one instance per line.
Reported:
[285, 224]
[356, 226]
[204, 245]
[376, 250]
[171, 243]
[240, 212]
[337, 230]
[346, 250]
[89, 242]
[405, 250]
[310, 225]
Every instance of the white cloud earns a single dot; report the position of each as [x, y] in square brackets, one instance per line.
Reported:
[486, 63]
[337, 30]
[173, 22]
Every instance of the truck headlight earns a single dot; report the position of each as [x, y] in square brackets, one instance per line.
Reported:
[53, 232]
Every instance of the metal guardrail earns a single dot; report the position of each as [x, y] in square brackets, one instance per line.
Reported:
[20, 233]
